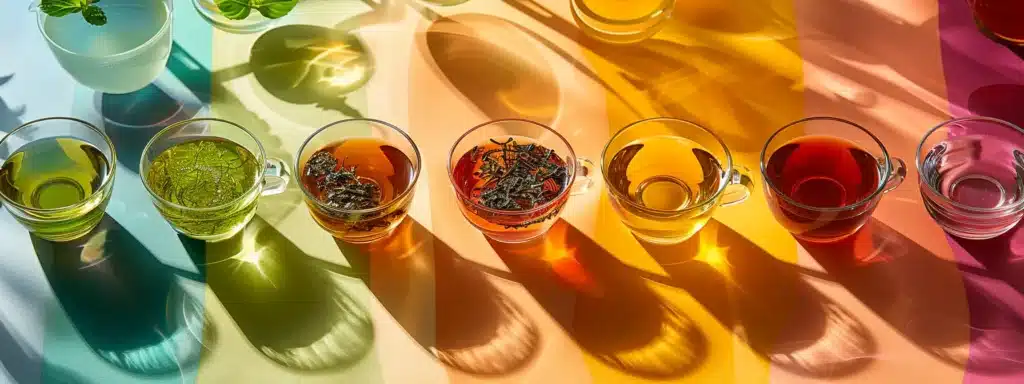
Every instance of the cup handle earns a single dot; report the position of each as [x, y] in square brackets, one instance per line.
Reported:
[584, 176]
[275, 177]
[898, 174]
[739, 187]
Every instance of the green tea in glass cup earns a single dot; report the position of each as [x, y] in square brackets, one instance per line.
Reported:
[56, 176]
[206, 175]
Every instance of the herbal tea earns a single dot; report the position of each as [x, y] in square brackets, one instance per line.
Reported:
[512, 185]
[358, 174]
[55, 173]
[202, 174]
[655, 196]
[822, 172]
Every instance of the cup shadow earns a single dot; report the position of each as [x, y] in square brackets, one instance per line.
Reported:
[290, 309]
[996, 302]
[609, 311]
[767, 303]
[916, 292]
[127, 306]
[307, 64]
[132, 119]
[445, 305]
[494, 65]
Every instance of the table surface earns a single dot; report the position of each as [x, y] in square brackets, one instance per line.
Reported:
[741, 302]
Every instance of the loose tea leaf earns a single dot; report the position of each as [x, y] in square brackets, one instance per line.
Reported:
[341, 187]
[519, 177]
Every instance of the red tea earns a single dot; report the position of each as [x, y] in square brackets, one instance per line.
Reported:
[507, 186]
[358, 174]
[820, 173]
[1001, 17]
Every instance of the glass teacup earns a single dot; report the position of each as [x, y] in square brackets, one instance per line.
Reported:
[666, 177]
[122, 56]
[358, 178]
[512, 178]
[824, 177]
[621, 21]
[971, 173]
[56, 176]
[206, 175]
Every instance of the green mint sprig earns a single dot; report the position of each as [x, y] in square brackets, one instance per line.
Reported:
[240, 9]
[92, 13]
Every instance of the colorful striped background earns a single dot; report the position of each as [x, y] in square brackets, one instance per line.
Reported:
[742, 302]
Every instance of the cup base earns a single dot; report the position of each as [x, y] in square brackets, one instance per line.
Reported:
[661, 240]
[829, 240]
[513, 239]
[66, 237]
[975, 236]
[366, 239]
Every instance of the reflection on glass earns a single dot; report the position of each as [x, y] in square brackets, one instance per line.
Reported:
[294, 312]
[122, 56]
[128, 306]
[306, 64]
[447, 307]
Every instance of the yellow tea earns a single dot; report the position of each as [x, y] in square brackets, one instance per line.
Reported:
[657, 180]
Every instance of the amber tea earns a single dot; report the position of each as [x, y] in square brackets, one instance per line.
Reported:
[203, 180]
[511, 186]
[57, 174]
[360, 187]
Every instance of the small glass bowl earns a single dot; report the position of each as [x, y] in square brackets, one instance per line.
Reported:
[252, 24]
[620, 30]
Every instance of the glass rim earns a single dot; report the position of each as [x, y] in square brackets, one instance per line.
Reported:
[261, 159]
[883, 177]
[401, 196]
[723, 181]
[106, 183]
[152, 39]
[918, 159]
[548, 204]
[661, 11]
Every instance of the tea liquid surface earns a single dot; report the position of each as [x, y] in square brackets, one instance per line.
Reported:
[333, 174]
[823, 172]
[510, 174]
[665, 173]
[203, 173]
[53, 173]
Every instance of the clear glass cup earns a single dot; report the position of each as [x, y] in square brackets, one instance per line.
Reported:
[122, 56]
[222, 221]
[667, 201]
[382, 154]
[621, 21]
[255, 22]
[516, 226]
[1000, 18]
[971, 172]
[56, 177]
[824, 176]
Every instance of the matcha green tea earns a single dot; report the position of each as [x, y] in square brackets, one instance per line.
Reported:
[208, 184]
[60, 180]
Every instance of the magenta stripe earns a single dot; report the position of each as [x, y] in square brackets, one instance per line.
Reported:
[985, 78]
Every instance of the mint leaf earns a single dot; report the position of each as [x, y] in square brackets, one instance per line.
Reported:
[94, 15]
[273, 9]
[61, 8]
[234, 9]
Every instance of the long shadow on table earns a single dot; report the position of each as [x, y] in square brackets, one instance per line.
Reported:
[27, 366]
[9, 118]
[996, 302]
[128, 306]
[494, 65]
[917, 293]
[608, 310]
[290, 309]
[767, 303]
[444, 304]
[746, 92]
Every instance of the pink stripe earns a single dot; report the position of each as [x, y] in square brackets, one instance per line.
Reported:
[985, 78]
